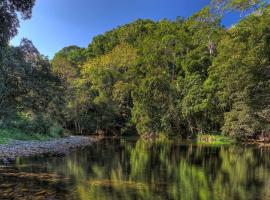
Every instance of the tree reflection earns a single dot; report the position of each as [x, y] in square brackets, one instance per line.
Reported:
[168, 170]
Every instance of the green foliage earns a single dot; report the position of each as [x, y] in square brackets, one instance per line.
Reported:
[34, 123]
[214, 139]
[9, 10]
[27, 86]
[240, 74]
[103, 94]
[8, 135]
[223, 6]
[28, 89]
[175, 77]
[182, 77]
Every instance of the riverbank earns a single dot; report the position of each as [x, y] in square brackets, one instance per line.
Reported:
[214, 139]
[56, 147]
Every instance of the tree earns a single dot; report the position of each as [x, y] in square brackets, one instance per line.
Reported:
[29, 90]
[12, 62]
[152, 105]
[240, 72]
[173, 76]
[103, 93]
[9, 10]
[243, 6]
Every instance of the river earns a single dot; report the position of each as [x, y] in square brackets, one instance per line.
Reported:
[131, 169]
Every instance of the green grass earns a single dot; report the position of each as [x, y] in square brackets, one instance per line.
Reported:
[214, 139]
[9, 134]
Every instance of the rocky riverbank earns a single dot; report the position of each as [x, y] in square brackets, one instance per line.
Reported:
[55, 147]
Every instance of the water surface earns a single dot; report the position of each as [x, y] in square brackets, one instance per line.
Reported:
[132, 169]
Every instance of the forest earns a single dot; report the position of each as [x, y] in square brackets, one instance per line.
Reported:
[181, 77]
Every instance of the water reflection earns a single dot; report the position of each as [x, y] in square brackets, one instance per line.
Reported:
[130, 169]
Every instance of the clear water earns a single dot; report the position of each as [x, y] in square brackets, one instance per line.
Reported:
[131, 169]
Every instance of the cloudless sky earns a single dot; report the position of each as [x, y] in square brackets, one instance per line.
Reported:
[59, 23]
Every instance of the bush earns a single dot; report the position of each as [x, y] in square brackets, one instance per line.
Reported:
[214, 139]
[57, 131]
[36, 124]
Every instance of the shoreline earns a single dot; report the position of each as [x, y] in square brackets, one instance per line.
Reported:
[54, 147]
[62, 146]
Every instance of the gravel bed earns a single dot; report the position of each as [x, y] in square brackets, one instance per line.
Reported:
[55, 147]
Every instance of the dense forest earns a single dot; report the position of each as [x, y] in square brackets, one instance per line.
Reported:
[171, 77]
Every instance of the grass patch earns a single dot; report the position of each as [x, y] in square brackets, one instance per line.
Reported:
[9, 134]
[214, 139]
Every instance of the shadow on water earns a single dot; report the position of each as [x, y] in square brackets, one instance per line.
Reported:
[133, 169]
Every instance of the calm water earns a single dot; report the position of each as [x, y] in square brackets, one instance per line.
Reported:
[132, 169]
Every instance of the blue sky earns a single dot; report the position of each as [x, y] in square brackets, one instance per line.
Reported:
[59, 23]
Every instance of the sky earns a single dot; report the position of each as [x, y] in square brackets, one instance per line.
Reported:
[59, 23]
